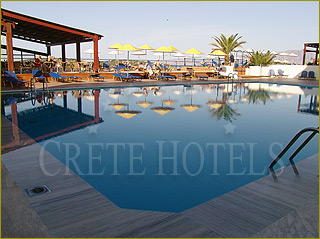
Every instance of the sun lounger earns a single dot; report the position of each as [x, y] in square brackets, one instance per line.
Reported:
[311, 75]
[201, 77]
[122, 77]
[281, 74]
[96, 77]
[57, 76]
[303, 76]
[272, 73]
[13, 79]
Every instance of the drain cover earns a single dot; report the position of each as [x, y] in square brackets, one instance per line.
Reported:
[35, 191]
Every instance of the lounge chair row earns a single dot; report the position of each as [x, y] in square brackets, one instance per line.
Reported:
[280, 73]
[307, 75]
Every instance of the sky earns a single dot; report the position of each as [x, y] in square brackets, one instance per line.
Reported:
[265, 25]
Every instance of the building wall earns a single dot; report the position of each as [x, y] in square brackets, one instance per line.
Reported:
[293, 71]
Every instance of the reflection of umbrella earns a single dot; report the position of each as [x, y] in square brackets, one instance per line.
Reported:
[177, 92]
[118, 106]
[190, 108]
[214, 104]
[138, 94]
[164, 49]
[169, 102]
[127, 113]
[162, 110]
[114, 95]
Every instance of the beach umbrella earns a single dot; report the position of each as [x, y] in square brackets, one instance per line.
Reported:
[178, 55]
[115, 53]
[293, 55]
[249, 50]
[139, 53]
[127, 48]
[274, 53]
[146, 48]
[193, 52]
[173, 48]
[217, 53]
[115, 46]
[89, 51]
[163, 50]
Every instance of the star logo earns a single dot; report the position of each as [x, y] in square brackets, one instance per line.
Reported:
[229, 128]
[93, 129]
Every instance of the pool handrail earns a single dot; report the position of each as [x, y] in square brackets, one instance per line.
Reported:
[292, 141]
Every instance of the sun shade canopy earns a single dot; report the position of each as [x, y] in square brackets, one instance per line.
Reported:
[41, 31]
[193, 51]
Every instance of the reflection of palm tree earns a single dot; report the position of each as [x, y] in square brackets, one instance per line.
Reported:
[225, 111]
[255, 96]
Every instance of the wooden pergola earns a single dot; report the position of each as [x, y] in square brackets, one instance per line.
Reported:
[23, 27]
[314, 48]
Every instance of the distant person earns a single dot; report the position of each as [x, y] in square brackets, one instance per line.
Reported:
[37, 62]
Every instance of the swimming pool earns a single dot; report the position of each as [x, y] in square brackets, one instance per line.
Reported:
[169, 148]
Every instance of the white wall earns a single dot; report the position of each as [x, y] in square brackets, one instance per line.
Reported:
[293, 71]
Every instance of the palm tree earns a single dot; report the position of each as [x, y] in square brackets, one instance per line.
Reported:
[227, 44]
[257, 58]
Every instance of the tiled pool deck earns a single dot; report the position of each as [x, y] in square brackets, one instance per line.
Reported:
[263, 208]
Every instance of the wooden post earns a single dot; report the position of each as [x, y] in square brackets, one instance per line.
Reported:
[78, 51]
[8, 28]
[63, 56]
[95, 54]
[304, 54]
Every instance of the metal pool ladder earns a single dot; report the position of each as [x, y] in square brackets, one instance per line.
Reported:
[292, 141]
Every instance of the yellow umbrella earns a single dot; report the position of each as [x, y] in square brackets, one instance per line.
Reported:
[173, 48]
[162, 110]
[127, 114]
[115, 46]
[146, 47]
[218, 53]
[193, 52]
[128, 48]
[164, 49]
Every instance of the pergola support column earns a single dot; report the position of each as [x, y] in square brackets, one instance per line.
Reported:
[63, 56]
[8, 28]
[48, 50]
[95, 54]
[304, 54]
[78, 51]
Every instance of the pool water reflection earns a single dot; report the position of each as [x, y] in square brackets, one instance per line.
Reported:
[174, 147]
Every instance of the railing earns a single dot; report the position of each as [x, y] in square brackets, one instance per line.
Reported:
[292, 141]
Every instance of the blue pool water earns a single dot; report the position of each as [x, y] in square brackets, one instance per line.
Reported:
[203, 141]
